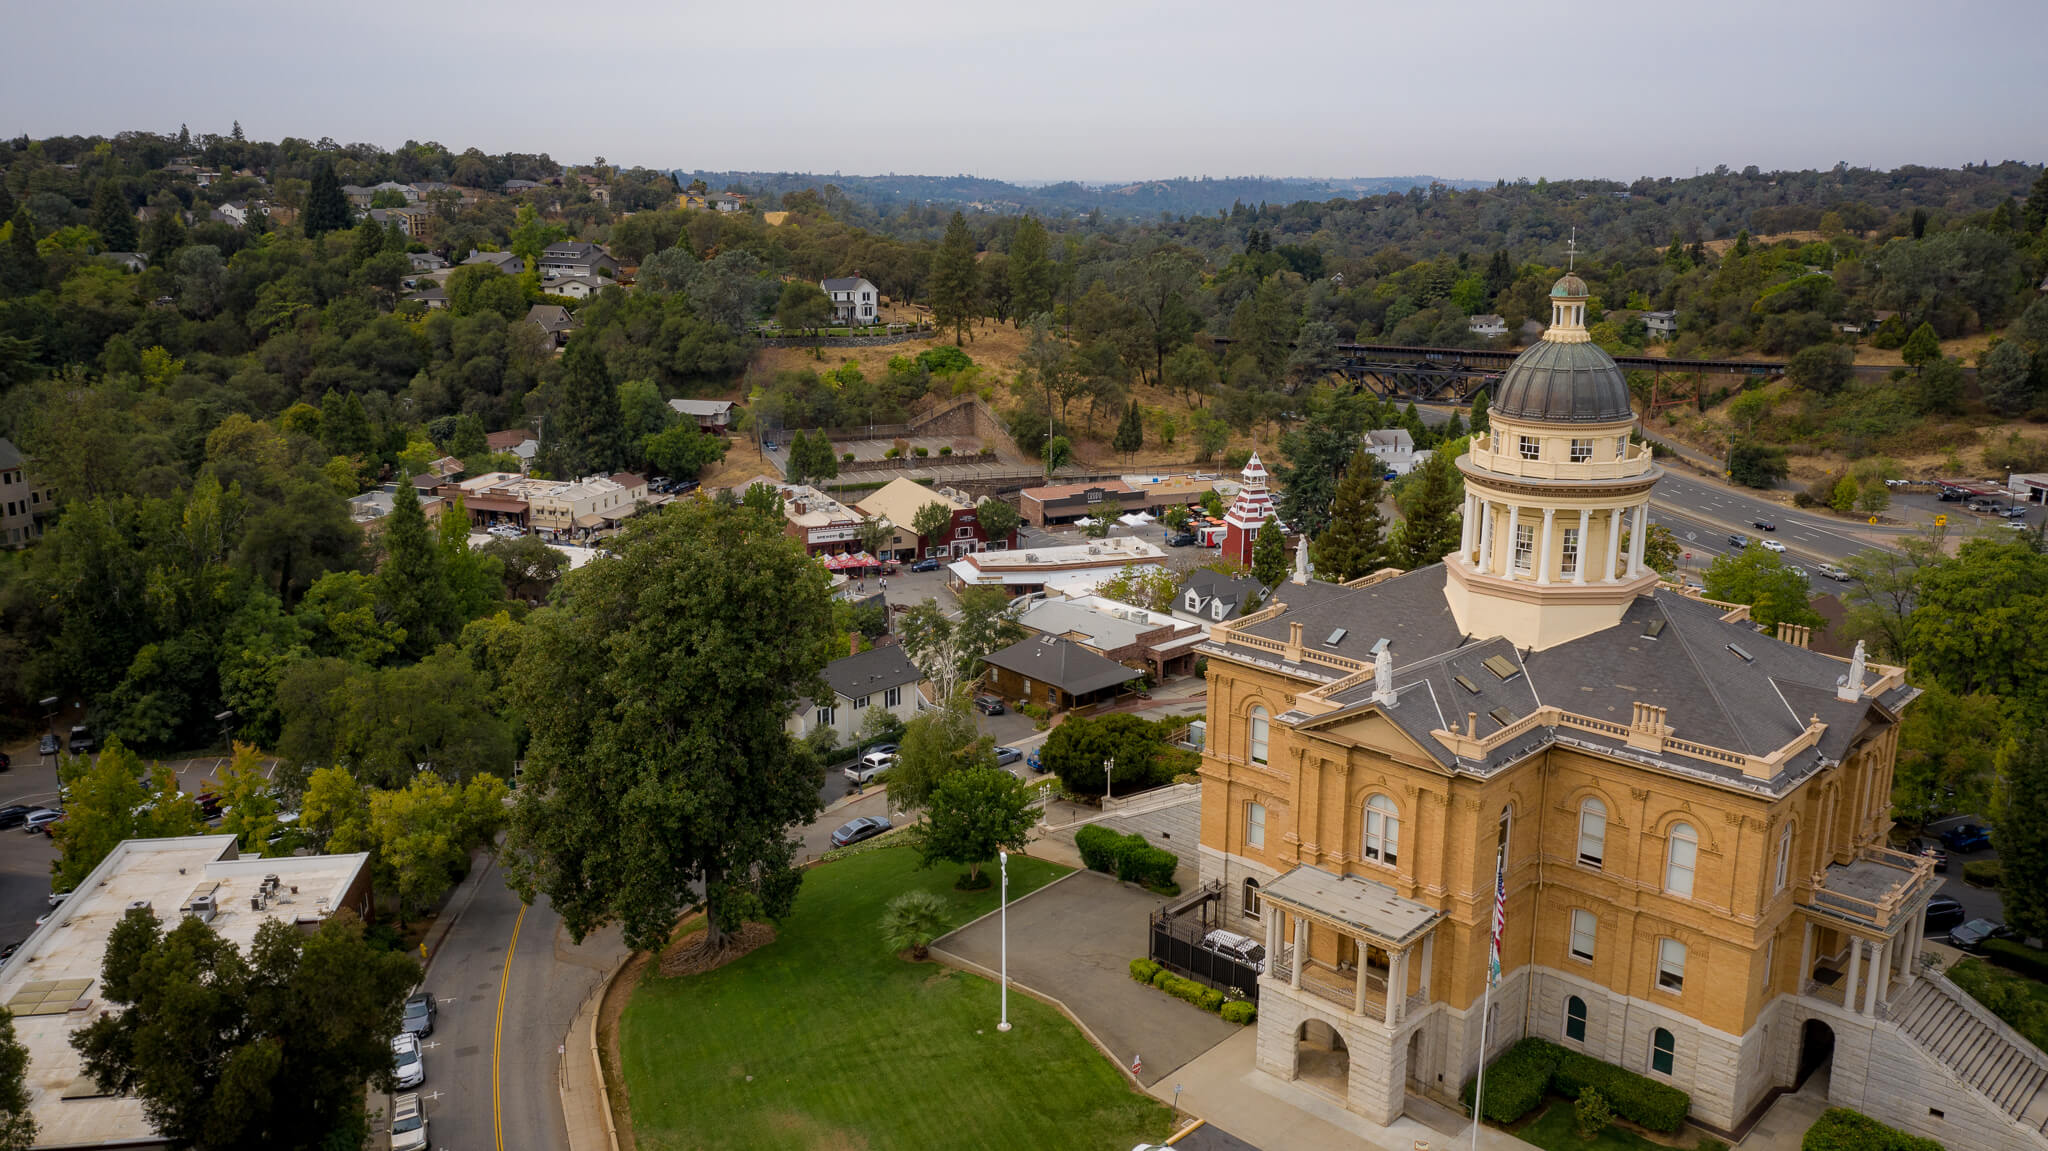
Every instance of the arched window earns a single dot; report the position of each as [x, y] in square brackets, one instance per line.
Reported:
[1663, 1051]
[1680, 857]
[1592, 832]
[1260, 730]
[1251, 898]
[1575, 1019]
[1255, 825]
[1382, 830]
[1784, 858]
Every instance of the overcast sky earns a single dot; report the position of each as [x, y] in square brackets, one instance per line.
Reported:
[1068, 89]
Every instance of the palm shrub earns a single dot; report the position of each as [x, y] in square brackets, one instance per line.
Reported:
[912, 920]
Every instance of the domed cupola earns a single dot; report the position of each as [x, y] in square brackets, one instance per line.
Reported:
[1566, 377]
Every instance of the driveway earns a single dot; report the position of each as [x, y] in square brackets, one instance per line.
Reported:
[1075, 941]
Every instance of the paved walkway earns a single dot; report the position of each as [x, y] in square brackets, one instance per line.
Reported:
[1784, 1126]
[1074, 941]
[1223, 1087]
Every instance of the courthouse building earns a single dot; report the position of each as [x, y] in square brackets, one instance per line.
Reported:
[1691, 815]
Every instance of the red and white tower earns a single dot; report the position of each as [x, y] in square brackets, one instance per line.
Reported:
[1250, 511]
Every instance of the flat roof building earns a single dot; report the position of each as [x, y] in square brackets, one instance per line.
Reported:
[1075, 569]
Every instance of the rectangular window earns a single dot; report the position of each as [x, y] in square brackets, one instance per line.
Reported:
[1255, 825]
[1784, 859]
[1670, 965]
[1569, 564]
[1525, 546]
[1530, 449]
[1770, 960]
[1260, 731]
[1582, 451]
[962, 533]
[893, 697]
[1585, 931]
[825, 717]
[1620, 446]
[860, 703]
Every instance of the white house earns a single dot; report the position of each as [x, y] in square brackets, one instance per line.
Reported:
[1662, 325]
[1487, 325]
[1396, 449]
[576, 258]
[237, 212]
[880, 677]
[576, 287]
[854, 300]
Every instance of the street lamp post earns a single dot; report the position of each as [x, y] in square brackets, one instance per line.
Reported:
[1004, 858]
[1108, 770]
[224, 719]
[50, 716]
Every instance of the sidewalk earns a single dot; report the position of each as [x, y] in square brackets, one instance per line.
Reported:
[586, 1109]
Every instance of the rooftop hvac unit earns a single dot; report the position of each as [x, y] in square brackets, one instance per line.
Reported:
[203, 909]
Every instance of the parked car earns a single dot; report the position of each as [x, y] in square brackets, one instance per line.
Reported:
[49, 746]
[1943, 914]
[928, 564]
[5, 762]
[1972, 936]
[1242, 948]
[506, 531]
[407, 1061]
[868, 768]
[1833, 572]
[420, 1011]
[57, 897]
[408, 1123]
[1005, 756]
[1738, 542]
[1949, 496]
[13, 814]
[1771, 546]
[40, 819]
[10, 950]
[855, 830]
[1961, 837]
[1034, 763]
[988, 705]
[81, 740]
[1939, 857]
[1180, 540]
[1764, 525]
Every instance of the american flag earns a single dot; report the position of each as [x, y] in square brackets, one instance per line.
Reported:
[1500, 918]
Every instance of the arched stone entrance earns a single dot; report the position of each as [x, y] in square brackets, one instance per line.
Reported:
[1321, 1058]
[1816, 1050]
[1418, 1075]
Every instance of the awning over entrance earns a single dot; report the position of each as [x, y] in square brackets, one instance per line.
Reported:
[1351, 901]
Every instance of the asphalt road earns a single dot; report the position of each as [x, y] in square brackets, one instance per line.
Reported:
[25, 859]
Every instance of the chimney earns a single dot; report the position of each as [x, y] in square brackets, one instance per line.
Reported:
[798, 505]
[1798, 635]
[853, 643]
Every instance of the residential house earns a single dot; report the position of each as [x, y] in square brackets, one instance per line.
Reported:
[1153, 642]
[1065, 503]
[1488, 325]
[505, 262]
[881, 677]
[1056, 674]
[433, 297]
[711, 201]
[554, 320]
[1073, 569]
[521, 442]
[357, 195]
[1210, 597]
[854, 300]
[412, 221]
[711, 415]
[576, 258]
[426, 261]
[237, 212]
[23, 502]
[520, 185]
[1661, 325]
[1395, 449]
[128, 261]
[899, 500]
[575, 287]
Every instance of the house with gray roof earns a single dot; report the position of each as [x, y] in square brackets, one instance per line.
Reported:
[854, 300]
[1212, 597]
[505, 262]
[576, 258]
[1056, 673]
[881, 677]
[554, 320]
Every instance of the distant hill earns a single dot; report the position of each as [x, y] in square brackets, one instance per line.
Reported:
[1143, 199]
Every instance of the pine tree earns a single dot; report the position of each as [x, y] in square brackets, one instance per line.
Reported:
[326, 208]
[112, 219]
[797, 470]
[1355, 542]
[369, 241]
[592, 434]
[409, 585]
[953, 279]
[1922, 346]
[24, 263]
[1269, 554]
[1130, 434]
[2036, 213]
[1031, 271]
[344, 425]
[184, 139]
[824, 462]
[2023, 833]
[1479, 421]
[6, 203]
[1454, 428]
[1429, 514]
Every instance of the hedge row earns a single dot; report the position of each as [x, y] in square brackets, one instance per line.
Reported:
[1984, 873]
[2018, 957]
[1524, 1074]
[1840, 1129]
[1128, 857]
[1207, 998]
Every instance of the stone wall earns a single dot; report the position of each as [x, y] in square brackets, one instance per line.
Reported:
[1883, 1073]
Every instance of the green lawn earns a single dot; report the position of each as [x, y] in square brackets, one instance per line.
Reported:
[2020, 1001]
[824, 1039]
[1554, 1130]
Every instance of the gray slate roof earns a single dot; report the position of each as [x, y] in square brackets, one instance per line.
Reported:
[10, 456]
[844, 283]
[870, 672]
[1067, 666]
[577, 251]
[1560, 382]
[1209, 587]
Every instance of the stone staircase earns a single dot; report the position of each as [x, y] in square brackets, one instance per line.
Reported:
[1980, 1049]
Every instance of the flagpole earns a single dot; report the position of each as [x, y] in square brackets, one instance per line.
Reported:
[1479, 1084]
[1499, 926]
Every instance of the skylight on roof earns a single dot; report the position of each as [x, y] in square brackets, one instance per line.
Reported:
[1502, 667]
[1336, 637]
[1502, 716]
[1746, 657]
[1381, 644]
[1467, 684]
[1653, 629]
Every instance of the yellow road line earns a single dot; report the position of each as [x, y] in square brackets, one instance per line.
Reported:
[498, 1031]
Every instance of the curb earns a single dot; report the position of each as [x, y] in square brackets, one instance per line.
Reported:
[588, 1012]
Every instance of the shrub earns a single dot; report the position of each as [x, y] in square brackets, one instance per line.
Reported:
[922, 452]
[1840, 1129]
[1143, 970]
[847, 458]
[1240, 1012]
[1099, 847]
[946, 451]
[1151, 866]
[1162, 978]
[2018, 957]
[1212, 1000]
[1983, 872]
[1516, 1082]
[1591, 1113]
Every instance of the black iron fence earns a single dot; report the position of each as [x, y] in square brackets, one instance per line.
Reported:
[1177, 933]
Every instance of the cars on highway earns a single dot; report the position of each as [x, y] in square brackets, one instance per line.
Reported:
[1771, 546]
[1833, 572]
[408, 1123]
[988, 705]
[40, 819]
[1005, 756]
[13, 814]
[419, 1013]
[49, 745]
[1242, 948]
[1738, 541]
[930, 564]
[1944, 913]
[407, 1061]
[1764, 525]
[855, 830]
[1961, 837]
[1973, 935]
